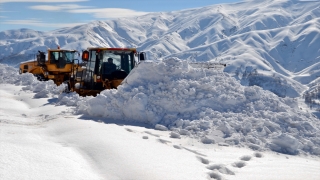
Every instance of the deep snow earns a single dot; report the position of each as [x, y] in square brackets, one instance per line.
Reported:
[43, 139]
[169, 120]
[204, 104]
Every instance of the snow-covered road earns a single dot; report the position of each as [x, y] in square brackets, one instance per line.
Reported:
[39, 140]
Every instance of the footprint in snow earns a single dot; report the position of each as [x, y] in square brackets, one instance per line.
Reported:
[245, 158]
[203, 160]
[214, 175]
[258, 155]
[145, 137]
[221, 168]
[239, 164]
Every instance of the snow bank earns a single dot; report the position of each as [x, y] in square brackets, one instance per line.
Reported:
[201, 103]
[45, 89]
[197, 102]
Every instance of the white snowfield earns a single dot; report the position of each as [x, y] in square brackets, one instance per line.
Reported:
[205, 104]
[167, 121]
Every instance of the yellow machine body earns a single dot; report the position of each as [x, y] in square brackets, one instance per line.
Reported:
[57, 67]
[94, 76]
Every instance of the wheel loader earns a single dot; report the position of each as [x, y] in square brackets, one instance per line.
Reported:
[57, 67]
[104, 68]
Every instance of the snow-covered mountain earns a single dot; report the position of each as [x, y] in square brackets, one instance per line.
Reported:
[262, 41]
[168, 114]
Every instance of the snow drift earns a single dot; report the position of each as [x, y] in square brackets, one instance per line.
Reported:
[205, 104]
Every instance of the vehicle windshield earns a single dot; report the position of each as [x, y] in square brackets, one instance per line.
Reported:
[124, 60]
[67, 56]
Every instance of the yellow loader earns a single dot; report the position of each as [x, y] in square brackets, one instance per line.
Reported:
[103, 68]
[58, 66]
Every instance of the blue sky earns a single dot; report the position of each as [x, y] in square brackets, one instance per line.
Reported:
[46, 15]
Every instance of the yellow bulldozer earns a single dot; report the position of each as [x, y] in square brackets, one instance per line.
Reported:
[103, 68]
[58, 67]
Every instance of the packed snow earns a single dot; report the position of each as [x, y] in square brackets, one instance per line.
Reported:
[166, 121]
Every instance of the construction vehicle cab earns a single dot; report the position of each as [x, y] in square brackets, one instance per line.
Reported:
[105, 68]
[57, 67]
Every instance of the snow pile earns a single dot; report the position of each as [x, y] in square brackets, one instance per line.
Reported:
[46, 89]
[201, 103]
[206, 104]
